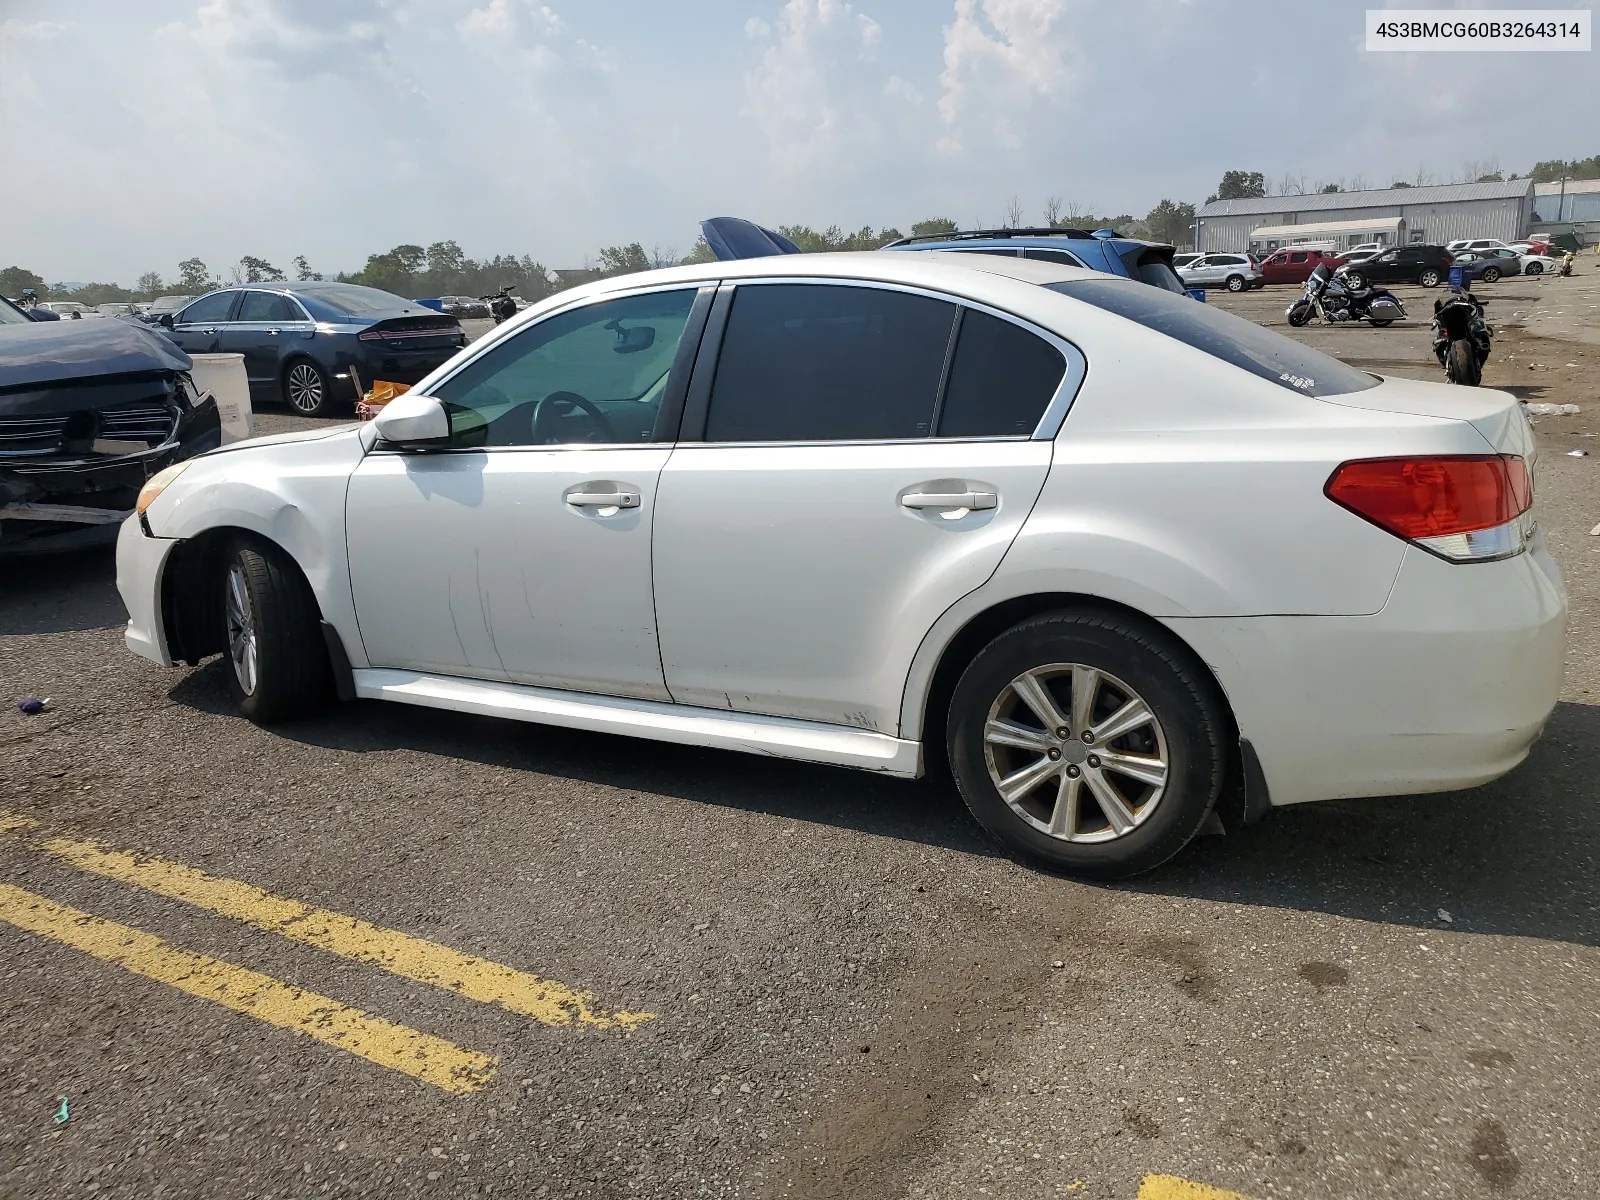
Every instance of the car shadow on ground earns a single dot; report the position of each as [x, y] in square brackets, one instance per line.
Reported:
[907, 810]
[1518, 857]
[59, 593]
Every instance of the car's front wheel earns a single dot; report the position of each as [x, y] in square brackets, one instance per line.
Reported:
[1490, 275]
[1534, 269]
[306, 389]
[1087, 741]
[278, 660]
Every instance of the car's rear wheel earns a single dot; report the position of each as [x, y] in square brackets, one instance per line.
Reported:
[1490, 274]
[1087, 741]
[306, 389]
[277, 658]
[1429, 278]
[1236, 283]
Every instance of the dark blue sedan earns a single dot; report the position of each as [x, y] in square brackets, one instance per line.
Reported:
[315, 345]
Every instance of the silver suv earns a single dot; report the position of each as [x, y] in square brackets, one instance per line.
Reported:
[1236, 272]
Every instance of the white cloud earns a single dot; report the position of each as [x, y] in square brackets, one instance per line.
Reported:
[15, 30]
[1000, 58]
[806, 93]
[299, 38]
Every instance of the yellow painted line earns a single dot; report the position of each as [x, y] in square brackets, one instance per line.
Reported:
[16, 823]
[1170, 1187]
[420, 1055]
[544, 1000]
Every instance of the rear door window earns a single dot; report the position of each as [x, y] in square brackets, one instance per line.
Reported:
[822, 362]
[1246, 345]
[1001, 379]
[1055, 256]
[266, 306]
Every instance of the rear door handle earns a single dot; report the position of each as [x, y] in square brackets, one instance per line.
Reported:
[603, 499]
[949, 500]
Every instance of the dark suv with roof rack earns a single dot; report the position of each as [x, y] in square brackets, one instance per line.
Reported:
[1103, 250]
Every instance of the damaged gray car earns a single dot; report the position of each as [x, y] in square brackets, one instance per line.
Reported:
[88, 411]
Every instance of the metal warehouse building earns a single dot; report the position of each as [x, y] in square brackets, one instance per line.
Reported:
[1435, 215]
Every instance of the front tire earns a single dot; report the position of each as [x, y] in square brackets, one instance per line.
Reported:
[1429, 278]
[1300, 313]
[307, 389]
[1088, 742]
[1534, 269]
[1236, 283]
[277, 658]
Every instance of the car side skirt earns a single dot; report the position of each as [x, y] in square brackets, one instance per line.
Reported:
[777, 737]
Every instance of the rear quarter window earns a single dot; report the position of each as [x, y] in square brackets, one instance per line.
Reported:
[1234, 340]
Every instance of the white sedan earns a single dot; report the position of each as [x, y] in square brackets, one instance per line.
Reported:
[1126, 563]
[1538, 264]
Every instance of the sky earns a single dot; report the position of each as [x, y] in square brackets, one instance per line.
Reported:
[133, 136]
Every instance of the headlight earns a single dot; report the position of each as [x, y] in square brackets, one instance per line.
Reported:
[157, 484]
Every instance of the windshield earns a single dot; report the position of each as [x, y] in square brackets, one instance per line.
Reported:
[1222, 335]
[10, 314]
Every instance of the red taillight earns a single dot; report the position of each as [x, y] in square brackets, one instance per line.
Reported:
[1449, 260]
[1420, 498]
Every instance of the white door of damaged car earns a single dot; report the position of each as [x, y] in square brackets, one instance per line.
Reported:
[866, 461]
[522, 552]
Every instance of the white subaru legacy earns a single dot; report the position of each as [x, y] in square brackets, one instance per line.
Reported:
[1126, 563]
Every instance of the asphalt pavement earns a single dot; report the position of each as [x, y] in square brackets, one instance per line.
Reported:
[389, 951]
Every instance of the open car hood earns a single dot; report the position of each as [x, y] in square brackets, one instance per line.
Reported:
[58, 352]
[734, 237]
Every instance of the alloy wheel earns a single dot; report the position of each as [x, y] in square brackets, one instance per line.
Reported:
[1429, 279]
[1076, 753]
[305, 387]
[241, 621]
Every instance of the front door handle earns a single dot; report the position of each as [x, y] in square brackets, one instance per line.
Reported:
[273, 332]
[603, 499]
[949, 500]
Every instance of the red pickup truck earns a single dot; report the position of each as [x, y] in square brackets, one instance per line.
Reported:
[1294, 265]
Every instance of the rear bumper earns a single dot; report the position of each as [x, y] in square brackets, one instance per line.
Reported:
[1447, 687]
[140, 563]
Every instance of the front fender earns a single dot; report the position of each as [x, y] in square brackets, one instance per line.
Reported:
[290, 493]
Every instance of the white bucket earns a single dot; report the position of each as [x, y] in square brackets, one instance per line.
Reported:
[224, 377]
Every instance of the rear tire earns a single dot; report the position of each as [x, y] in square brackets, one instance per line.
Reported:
[1490, 275]
[307, 389]
[1236, 283]
[1429, 278]
[1461, 364]
[1381, 324]
[1356, 280]
[1120, 769]
[272, 635]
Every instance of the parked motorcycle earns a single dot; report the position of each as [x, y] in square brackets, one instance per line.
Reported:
[1566, 263]
[501, 305]
[1461, 337]
[1329, 295]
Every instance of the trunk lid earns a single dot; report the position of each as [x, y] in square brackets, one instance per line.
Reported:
[1497, 416]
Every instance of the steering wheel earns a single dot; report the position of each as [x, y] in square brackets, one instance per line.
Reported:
[558, 404]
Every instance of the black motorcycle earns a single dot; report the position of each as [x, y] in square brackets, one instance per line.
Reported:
[1461, 337]
[1331, 297]
[501, 305]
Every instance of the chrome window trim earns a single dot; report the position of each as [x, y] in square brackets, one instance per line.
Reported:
[1050, 421]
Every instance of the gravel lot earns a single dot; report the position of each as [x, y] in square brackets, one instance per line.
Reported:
[854, 994]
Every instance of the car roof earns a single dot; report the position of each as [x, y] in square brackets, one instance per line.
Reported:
[981, 278]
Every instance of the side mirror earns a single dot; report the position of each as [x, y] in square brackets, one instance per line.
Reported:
[165, 320]
[413, 422]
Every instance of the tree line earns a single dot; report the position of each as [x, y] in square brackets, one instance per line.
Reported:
[443, 268]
